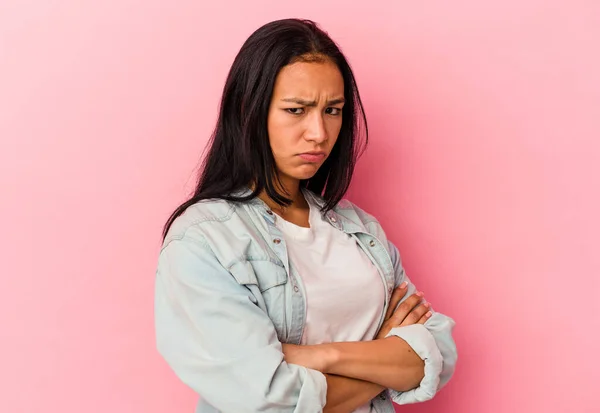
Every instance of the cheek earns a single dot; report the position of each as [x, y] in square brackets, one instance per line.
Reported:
[281, 134]
[282, 126]
[274, 129]
[333, 129]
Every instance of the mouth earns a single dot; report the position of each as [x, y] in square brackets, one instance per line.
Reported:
[313, 157]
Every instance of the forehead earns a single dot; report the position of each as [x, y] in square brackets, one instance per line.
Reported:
[306, 79]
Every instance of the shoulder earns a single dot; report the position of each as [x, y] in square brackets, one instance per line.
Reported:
[362, 219]
[345, 208]
[370, 223]
[355, 217]
[220, 231]
[198, 215]
[352, 211]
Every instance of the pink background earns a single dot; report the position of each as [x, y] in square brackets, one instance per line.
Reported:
[484, 167]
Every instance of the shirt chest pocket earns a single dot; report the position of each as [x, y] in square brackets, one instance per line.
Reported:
[267, 281]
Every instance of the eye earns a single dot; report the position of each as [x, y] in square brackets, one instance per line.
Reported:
[333, 111]
[295, 111]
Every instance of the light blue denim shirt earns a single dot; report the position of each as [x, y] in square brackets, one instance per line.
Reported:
[227, 297]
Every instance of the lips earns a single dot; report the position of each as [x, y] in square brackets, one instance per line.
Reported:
[313, 156]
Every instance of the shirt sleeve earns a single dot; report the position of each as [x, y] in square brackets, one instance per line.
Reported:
[220, 343]
[432, 341]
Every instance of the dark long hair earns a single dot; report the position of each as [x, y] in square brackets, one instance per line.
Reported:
[240, 154]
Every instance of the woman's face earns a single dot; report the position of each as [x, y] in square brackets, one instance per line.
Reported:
[305, 117]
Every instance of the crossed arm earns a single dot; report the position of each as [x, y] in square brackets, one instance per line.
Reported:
[345, 394]
[215, 353]
[358, 371]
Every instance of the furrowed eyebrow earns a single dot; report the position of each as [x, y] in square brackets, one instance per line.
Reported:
[336, 101]
[312, 102]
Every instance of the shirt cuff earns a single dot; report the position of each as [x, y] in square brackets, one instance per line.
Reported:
[423, 343]
[315, 383]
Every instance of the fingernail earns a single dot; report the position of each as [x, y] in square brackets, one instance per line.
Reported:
[428, 314]
[425, 303]
[420, 293]
[403, 285]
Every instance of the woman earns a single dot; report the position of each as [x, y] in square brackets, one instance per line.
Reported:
[273, 294]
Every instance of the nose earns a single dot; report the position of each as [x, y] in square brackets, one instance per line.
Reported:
[315, 130]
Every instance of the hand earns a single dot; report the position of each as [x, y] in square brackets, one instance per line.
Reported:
[413, 310]
[313, 357]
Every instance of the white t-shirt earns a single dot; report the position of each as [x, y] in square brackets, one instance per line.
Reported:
[344, 291]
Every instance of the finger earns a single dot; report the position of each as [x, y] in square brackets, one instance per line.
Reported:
[425, 317]
[405, 308]
[385, 328]
[415, 315]
[395, 299]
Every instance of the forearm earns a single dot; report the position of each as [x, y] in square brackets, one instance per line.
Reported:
[388, 362]
[344, 394]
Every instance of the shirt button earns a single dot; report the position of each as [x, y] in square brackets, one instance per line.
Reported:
[333, 219]
[372, 243]
[277, 241]
[390, 289]
[296, 288]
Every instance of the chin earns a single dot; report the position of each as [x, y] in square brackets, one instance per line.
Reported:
[303, 174]
[302, 177]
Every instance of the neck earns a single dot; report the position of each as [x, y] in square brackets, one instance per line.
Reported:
[289, 188]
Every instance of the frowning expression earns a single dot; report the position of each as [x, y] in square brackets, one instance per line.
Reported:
[305, 117]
